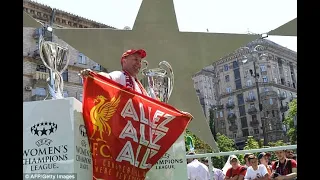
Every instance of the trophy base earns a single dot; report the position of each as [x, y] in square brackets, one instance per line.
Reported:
[55, 140]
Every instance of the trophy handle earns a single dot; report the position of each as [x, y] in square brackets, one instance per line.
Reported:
[145, 69]
[169, 73]
[41, 44]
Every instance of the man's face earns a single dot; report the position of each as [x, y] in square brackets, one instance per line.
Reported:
[132, 63]
[264, 160]
[254, 162]
[280, 154]
[234, 162]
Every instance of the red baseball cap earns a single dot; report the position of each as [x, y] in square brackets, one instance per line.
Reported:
[132, 51]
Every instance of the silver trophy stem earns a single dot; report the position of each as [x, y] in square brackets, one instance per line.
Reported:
[52, 56]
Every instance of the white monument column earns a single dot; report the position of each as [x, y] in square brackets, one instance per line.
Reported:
[54, 139]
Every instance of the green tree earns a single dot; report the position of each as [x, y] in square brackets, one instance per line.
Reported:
[199, 145]
[211, 122]
[225, 144]
[289, 121]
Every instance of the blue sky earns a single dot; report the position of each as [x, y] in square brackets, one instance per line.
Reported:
[228, 16]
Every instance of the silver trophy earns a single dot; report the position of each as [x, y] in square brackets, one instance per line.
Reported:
[158, 82]
[53, 55]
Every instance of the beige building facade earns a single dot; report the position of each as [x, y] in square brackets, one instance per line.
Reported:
[35, 73]
[233, 95]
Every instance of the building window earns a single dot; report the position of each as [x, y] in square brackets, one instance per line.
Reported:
[284, 94]
[266, 89]
[217, 114]
[97, 67]
[228, 89]
[230, 100]
[240, 99]
[236, 74]
[82, 59]
[244, 122]
[221, 114]
[65, 75]
[270, 101]
[265, 79]
[279, 92]
[39, 91]
[41, 68]
[249, 83]
[235, 64]
[226, 67]
[227, 78]
[238, 84]
[263, 68]
[273, 114]
[242, 110]
[254, 117]
[81, 81]
[80, 97]
[234, 135]
[256, 131]
[245, 132]
[251, 94]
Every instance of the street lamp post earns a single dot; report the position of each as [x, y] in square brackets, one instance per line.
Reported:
[254, 57]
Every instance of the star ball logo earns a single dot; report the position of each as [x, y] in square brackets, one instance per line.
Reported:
[83, 131]
[44, 129]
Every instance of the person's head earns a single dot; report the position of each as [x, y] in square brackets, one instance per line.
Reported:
[246, 155]
[189, 160]
[131, 61]
[281, 155]
[234, 161]
[253, 160]
[264, 158]
[289, 153]
[206, 162]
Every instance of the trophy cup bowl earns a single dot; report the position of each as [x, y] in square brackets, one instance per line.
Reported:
[53, 55]
[159, 81]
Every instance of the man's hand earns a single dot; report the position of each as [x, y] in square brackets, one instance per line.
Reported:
[85, 72]
[235, 177]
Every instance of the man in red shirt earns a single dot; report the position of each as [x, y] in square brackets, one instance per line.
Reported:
[236, 172]
[284, 168]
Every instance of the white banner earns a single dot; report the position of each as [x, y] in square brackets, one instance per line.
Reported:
[54, 138]
[173, 165]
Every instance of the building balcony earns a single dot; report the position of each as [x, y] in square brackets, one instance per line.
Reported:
[250, 99]
[38, 75]
[281, 97]
[284, 108]
[219, 107]
[254, 123]
[252, 110]
[230, 105]
[232, 117]
[233, 128]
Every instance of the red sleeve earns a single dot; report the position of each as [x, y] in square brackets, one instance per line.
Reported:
[273, 166]
[228, 173]
[293, 163]
[243, 172]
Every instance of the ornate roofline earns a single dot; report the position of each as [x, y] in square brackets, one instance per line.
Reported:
[267, 45]
[67, 13]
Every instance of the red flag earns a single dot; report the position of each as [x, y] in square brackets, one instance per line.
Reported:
[128, 132]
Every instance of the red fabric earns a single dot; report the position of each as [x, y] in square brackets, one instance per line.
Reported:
[119, 124]
[239, 171]
[285, 170]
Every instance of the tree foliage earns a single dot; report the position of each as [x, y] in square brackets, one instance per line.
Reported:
[289, 121]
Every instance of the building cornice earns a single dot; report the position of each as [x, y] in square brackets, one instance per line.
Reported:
[60, 14]
[266, 45]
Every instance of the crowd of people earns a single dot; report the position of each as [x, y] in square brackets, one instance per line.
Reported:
[255, 167]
